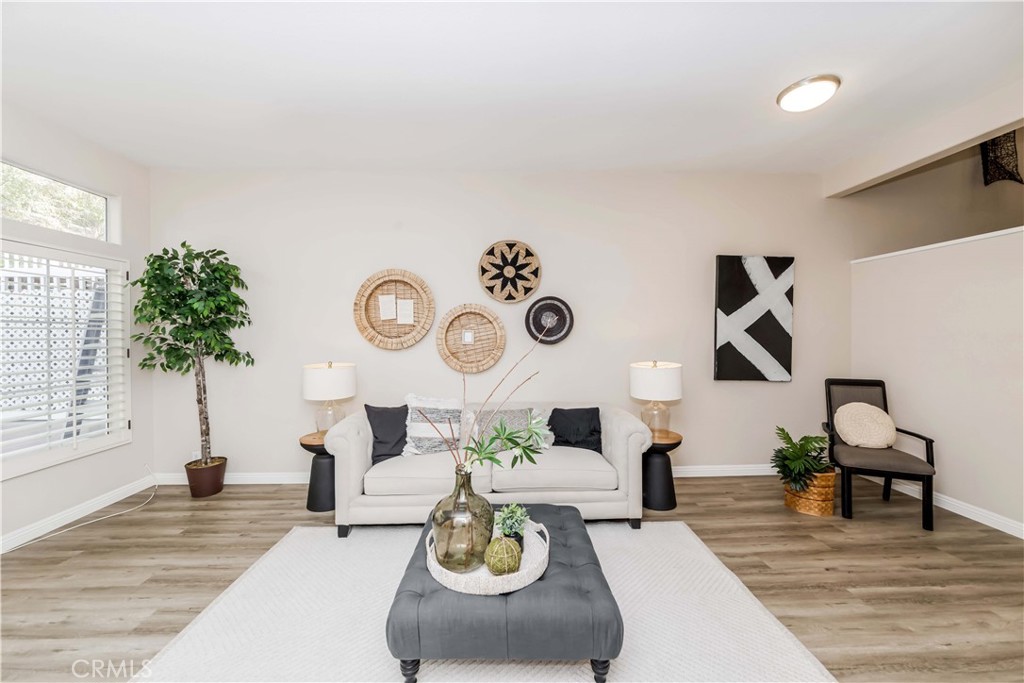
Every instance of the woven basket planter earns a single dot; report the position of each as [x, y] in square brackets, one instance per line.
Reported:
[817, 499]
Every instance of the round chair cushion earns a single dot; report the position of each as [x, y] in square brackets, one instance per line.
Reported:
[864, 425]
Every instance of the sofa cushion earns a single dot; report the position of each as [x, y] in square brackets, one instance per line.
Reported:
[880, 459]
[388, 427]
[432, 473]
[559, 468]
[576, 427]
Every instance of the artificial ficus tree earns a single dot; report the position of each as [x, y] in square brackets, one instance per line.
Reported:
[189, 307]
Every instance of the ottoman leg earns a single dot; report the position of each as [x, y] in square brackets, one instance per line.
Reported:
[410, 667]
[600, 667]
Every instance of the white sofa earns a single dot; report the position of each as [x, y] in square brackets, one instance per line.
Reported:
[403, 490]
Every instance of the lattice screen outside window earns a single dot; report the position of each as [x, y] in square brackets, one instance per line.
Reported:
[63, 356]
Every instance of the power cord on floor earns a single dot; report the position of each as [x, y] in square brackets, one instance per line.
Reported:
[156, 487]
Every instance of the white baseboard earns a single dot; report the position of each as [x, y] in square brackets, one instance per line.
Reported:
[179, 478]
[986, 517]
[17, 537]
[723, 470]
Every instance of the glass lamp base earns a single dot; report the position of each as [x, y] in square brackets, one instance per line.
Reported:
[328, 415]
[655, 416]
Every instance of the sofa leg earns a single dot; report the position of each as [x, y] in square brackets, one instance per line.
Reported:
[634, 523]
[343, 530]
[410, 667]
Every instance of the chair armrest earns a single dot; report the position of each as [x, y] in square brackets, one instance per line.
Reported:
[914, 434]
[624, 439]
[929, 444]
[351, 443]
[827, 428]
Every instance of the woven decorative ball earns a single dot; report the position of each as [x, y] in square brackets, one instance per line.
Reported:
[503, 556]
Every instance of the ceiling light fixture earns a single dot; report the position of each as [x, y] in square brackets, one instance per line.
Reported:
[808, 93]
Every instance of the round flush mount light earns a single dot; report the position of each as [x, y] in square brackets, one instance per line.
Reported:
[808, 93]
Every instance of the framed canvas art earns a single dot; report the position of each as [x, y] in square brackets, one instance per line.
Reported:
[754, 318]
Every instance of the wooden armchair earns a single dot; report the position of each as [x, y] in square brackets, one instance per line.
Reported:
[888, 463]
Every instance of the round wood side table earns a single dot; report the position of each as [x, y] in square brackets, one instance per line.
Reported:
[659, 487]
[320, 496]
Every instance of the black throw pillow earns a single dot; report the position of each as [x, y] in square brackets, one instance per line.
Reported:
[576, 427]
[388, 427]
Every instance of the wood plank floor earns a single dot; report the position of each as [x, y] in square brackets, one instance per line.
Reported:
[874, 598]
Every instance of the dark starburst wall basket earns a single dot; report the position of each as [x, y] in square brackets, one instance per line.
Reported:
[509, 271]
[470, 338]
[549, 320]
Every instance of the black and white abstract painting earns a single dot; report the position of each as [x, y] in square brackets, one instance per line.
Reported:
[754, 318]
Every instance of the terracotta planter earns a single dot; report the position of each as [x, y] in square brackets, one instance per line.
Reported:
[206, 480]
[817, 499]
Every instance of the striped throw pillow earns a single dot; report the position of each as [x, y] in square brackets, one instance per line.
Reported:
[421, 438]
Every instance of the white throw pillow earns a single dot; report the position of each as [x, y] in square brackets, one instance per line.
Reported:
[420, 436]
[864, 425]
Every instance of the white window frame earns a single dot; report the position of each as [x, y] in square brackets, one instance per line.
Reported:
[111, 212]
[20, 464]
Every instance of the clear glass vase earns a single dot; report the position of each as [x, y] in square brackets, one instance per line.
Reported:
[462, 524]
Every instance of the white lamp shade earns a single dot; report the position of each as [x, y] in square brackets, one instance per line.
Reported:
[328, 381]
[656, 381]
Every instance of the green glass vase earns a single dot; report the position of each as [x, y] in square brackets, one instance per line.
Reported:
[462, 524]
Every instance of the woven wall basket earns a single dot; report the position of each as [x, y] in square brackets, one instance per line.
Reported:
[817, 499]
[509, 271]
[485, 347]
[389, 334]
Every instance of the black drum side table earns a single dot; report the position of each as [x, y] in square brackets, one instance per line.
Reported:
[320, 497]
[659, 487]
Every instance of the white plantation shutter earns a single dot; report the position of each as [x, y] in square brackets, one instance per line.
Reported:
[63, 356]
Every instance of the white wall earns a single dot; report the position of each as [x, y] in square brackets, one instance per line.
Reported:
[633, 254]
[32, 143]
[944, 327]
[945, 200]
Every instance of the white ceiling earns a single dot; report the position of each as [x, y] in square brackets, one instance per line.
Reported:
[499, 86]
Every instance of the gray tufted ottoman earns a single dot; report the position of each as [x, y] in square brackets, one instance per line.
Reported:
[569, 613]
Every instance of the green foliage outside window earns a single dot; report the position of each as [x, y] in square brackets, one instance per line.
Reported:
[37, 200]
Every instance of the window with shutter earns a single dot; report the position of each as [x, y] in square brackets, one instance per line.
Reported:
[63, 356]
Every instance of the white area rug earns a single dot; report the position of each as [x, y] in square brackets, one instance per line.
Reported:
[314, 607]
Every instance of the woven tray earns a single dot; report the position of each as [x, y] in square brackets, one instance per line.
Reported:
[388, 334]
[488, 338]
[480, 581]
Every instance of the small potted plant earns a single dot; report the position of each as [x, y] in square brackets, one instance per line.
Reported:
[188, 308]
[511, 520]
[808, 476]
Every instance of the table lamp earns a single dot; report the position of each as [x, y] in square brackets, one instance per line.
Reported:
[656, 381]
[328, 382]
